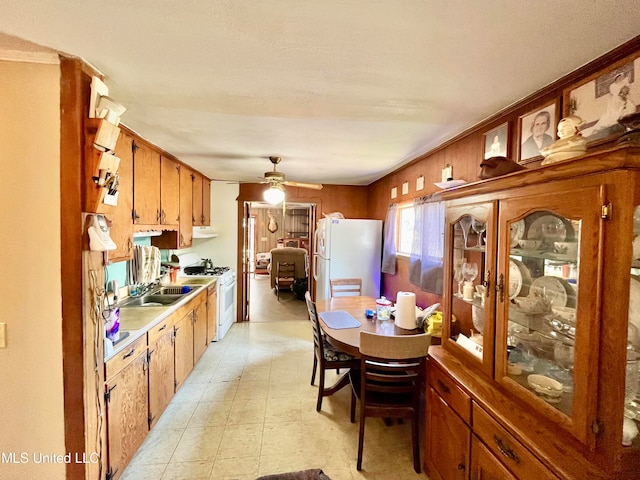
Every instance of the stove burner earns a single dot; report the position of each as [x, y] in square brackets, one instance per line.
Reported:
[202, 270]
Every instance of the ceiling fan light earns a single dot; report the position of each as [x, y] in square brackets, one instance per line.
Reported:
[274, 194]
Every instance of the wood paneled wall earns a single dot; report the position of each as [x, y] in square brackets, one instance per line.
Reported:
[464, 153]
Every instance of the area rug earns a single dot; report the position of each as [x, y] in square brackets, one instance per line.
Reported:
[316, 474]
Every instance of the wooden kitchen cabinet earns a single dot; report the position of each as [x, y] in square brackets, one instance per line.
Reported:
[212, 314]
[185, 233]
[560, 298]
[122, 224]
[206, 201]
[183, 349]
[126, 394]
[200, 340]
[485, 466]
[146, 185]
[169, 191]
[161, 369]
[198, 217]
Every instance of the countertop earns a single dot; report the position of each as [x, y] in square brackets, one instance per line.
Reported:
[136, 321]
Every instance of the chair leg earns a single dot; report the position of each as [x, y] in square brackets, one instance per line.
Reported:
[315, 366]
[320, 391]
[360, 441]
[416, 445]
[353, 407]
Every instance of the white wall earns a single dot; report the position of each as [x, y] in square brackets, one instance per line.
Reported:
[222, 250]
[31, 382]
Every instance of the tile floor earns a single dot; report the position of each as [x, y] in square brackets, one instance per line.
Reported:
[247, 410]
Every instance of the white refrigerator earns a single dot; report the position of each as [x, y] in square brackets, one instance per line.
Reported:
[347, 248]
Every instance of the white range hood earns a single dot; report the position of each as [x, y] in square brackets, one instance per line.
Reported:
[204, 232]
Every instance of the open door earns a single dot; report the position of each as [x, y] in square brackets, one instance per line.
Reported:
[246, 258]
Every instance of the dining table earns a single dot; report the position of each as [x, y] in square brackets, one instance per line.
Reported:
[348, 339]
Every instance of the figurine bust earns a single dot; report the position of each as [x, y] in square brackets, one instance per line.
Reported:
[570, 144]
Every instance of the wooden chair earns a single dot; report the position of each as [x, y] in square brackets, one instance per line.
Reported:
[389, 382]
[345, 287]
[325, 355]
[285, 277]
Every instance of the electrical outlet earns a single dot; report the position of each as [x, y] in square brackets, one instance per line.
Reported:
[3, 335]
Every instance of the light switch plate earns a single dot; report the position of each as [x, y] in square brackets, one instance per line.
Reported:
[3, 335]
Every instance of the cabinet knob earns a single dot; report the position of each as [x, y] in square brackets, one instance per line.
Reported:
[462, 467]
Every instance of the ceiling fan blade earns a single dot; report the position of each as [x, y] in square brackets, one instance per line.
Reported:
[314, 186]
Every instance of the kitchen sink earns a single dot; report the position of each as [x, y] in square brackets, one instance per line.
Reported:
[153, 300]
[175, 290]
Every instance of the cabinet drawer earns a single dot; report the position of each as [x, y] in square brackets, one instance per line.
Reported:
[160, 329]
[125, 357]
[510, 451]
[451, 393]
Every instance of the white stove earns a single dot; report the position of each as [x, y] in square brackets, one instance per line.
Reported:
[193, 266]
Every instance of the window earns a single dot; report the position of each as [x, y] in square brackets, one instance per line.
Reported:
[406, 217]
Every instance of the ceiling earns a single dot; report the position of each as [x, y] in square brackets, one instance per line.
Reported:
[344, 91]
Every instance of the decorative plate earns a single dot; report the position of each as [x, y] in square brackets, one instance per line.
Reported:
[517, 232]
[556, 289]
[537, 230]
[634, 301]
[519, 279]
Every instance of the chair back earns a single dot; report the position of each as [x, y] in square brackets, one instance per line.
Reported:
[392, 368]
[342, 287]
[285, 271]
[313, 316]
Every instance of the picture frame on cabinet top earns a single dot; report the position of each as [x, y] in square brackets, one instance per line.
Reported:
[531, 124]
[604, 97]
[496, 142]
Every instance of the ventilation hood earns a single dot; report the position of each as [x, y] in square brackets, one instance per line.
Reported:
[204, 232]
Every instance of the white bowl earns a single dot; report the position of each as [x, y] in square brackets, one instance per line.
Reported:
[530, 244]
[548, 388]
[566, 248]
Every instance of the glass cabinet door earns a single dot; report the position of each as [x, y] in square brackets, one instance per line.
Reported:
[631, 420]
[546, 305]
[469, 312]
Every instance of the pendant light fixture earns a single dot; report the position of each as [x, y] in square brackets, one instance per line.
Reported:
[274, 194]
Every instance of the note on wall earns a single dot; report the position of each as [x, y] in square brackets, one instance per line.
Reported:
[394, 192]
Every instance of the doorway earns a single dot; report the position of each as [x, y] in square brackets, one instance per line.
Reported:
[267, 227]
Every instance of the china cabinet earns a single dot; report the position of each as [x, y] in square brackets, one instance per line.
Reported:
[541, 323]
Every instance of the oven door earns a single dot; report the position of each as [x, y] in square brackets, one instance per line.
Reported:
[226, 306]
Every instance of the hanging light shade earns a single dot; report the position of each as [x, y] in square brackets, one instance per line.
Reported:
[274, 194]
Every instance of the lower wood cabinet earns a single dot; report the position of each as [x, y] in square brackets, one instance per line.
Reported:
[183, 343]
[212, 318]
[447, 440]
[161, 369]
[127, 413]
[200, 340]
[485, 466]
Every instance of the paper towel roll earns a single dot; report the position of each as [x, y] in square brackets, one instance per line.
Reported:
[406, 310]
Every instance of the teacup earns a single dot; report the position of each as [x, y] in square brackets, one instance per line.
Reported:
[530, 244]
[566, 248]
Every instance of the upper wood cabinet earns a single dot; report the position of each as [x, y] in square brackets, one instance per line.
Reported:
[186, 207]
[146, 185]
[169, 191]
[206, 201]
[197, 217]
[122, 223]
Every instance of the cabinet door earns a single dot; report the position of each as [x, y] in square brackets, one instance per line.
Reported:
[146, 185]
[448, 441]
[127, 413]
[206, 201]
[197, 199]
[484, 466]
[183, 347]
[161, 376]
[169, 191]
[547, 305]
[212, 314]
[122, 223]
[186, 207]
[468, 326]
[199, 331]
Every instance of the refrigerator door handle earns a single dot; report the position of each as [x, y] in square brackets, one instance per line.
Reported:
[315, 267]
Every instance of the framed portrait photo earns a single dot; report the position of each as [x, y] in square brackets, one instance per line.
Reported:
[601, 99]
[536, 130]
[496, 142]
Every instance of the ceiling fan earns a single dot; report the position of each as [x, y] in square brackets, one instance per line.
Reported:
[276, 180]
